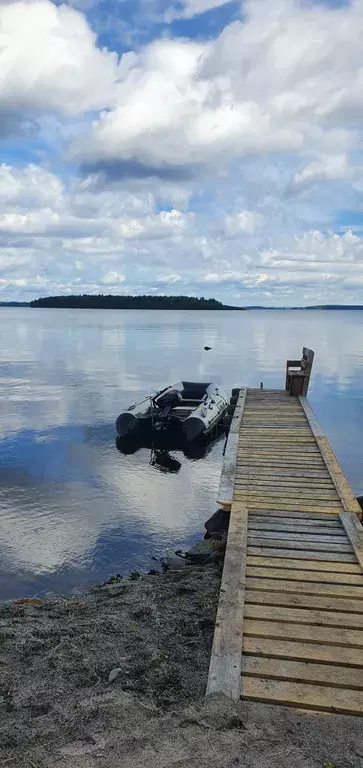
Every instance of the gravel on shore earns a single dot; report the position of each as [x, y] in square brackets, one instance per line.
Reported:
[116, 679]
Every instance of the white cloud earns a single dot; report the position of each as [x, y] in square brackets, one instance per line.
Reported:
[270, 83]
[327, 168]
[113, 278]
[192, 8]
[50, 60]
[244, 221]
[130, 246]
[31, 187]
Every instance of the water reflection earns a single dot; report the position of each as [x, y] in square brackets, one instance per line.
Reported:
[73, 509]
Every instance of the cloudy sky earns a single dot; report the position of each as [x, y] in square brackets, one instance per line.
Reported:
[203, 147]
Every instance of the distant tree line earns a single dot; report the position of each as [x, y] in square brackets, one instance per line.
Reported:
[87, 301]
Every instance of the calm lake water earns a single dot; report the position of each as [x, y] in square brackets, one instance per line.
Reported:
[73, 509]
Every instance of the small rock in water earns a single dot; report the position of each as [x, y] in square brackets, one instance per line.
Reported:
[114, 673]
[218, 522]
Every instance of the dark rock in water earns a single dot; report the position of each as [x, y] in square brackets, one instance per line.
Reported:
[218, 522]
[203, 550]
[207, 348]
[360, 501]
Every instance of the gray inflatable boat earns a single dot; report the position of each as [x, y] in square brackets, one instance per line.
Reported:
[194, 407]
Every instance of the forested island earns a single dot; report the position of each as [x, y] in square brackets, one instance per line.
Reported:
[87, 301]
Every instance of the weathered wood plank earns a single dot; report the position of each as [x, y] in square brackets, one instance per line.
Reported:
[287, 508]
[278, 472]
[225, 665]
[277, 431]
[294, 516]
[271, 438]
[296, 505]
[310, 415]
[303, 429]
[257, 500]
[346, 494]
[323, 577]
[253, 461]
[292, 649]
[297, 671]
[246, 453]
[225, 491]
[300, 565]
[302, 527]
[310, 602]
[255, 541]
[331, 523]
[316, 538]
[279, 452]
[306, 696]
[257, 436]
[313, 496]
[290, 485]
[305, 587]
[307, 554]
[288, 495]
[276, 422]
[275, 613]
[354, 531]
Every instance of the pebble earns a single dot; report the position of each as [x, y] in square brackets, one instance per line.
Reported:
[114, 673]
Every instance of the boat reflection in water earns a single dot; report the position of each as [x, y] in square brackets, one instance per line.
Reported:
[162, 444]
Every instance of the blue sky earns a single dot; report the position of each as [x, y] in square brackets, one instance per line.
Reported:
[182, 146]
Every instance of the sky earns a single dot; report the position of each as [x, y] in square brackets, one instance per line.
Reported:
[198, 147]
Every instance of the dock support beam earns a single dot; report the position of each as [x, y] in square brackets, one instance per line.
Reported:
[226, 660]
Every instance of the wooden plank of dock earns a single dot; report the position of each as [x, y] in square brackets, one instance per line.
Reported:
[297, 567]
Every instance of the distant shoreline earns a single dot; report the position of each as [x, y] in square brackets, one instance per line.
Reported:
[157, 303]
[88, 301]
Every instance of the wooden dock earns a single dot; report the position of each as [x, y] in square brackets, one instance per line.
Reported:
[289, 627]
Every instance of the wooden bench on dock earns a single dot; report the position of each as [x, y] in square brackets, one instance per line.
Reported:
[289, 626]
[298, 373]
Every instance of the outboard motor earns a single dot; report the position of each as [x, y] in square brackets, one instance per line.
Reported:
[163, 406]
